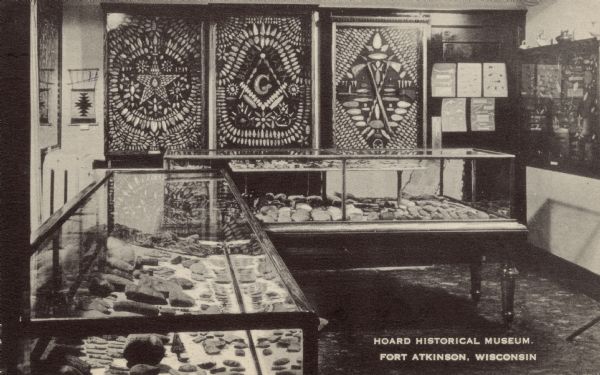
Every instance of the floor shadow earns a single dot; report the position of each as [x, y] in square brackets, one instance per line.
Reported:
[356, 300]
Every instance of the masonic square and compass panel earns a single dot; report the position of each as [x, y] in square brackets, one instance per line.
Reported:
[377, 84]
[155, 94]
[263, 93]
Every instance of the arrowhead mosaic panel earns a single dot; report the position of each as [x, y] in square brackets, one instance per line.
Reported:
[377, 86]
[155, 83]
[263, 82]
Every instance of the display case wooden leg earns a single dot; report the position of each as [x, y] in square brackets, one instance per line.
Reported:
[509, 275]
[310, 338]
[324, 185]
[475, 267]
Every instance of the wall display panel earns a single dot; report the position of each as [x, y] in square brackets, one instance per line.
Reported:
[263, 81]
[155, 83]
[559, 92]
[49, 23]
[378, 82]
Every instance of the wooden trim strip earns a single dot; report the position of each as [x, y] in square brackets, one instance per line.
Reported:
[64, 213]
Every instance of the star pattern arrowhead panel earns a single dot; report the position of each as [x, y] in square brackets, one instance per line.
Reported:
[263, 82]
[377, 86]
[155, 89]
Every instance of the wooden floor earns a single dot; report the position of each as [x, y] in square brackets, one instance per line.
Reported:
[363, 304]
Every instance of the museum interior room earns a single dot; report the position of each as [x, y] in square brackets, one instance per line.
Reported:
[300, 187]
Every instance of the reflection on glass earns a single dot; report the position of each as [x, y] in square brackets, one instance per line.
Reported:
[215, 352]
[311, 154]
[261, 286]
[149, 244]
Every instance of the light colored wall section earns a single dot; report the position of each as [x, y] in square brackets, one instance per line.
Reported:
[399, 4]
[563, 211]
[552, 16]
[563, 215]
[83, 48]
[380, 184]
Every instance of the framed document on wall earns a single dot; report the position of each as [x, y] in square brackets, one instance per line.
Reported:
[379, 81]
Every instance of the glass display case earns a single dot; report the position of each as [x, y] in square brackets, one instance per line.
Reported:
[559, 107]
[164, 262]
[444, 190]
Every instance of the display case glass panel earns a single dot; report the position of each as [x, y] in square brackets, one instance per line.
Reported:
[416, 186]
[157, 244]
[251, 352]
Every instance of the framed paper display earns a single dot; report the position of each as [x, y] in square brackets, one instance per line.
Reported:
[443, 80]
[454, 115]
[468, 80]
[483, 114]
[155, 83]
[379, 81]
[494, 80]
[264, 77]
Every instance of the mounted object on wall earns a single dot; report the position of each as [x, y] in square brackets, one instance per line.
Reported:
[83, 96]
[49, 21]
[379, 82]
[264, 88]
[155, 83]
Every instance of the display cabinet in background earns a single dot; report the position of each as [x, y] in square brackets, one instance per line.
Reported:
[559, 99]
[163, 269]
[428, 189]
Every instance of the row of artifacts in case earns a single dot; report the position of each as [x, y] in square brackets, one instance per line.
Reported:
[277, 352]
[281, 208]
[166, 274]
[264, 83]
[323, 165]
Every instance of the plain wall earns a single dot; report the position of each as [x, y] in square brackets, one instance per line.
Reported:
[563, 216]
[552, 16]
[83, 48]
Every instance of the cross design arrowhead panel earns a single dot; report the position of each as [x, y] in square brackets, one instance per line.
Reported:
[263, 82]
[155, 89]
[377, 86]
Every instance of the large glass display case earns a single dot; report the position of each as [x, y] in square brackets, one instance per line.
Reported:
[163, 269]
[408, 190]
[559, 107]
